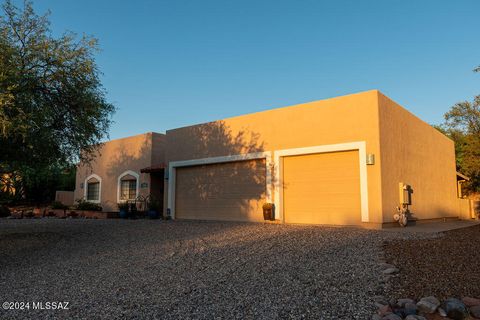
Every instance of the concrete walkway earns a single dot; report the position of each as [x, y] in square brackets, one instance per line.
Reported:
[434, 226]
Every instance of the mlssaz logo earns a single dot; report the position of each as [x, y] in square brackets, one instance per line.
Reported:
[54, 305]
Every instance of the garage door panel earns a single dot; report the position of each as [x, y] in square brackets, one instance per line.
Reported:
[223, 191]
[322, 188]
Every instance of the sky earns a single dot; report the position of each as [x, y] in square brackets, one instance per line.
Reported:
[167, 64]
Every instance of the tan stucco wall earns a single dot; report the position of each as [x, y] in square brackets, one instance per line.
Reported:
[158, 148]
[415, 153]
[338, 120]
[114, 158]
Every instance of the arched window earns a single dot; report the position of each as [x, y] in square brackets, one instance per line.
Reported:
[127, 186]
[93, 188]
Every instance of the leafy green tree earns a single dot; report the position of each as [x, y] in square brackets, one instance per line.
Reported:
[52, 103]
[462, 124]
[53, 107]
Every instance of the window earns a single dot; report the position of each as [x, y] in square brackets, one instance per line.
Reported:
[128, 189]
[93, 188]
[93, 191]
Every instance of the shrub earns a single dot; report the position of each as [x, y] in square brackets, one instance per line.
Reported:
[58, 205]
[4, 211]
[87, 206]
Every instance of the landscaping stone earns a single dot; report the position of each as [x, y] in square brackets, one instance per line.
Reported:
[384, 310]
[415, 317]
[446, 265]
[455, 309]
[385, 265]
[381, 301]
[402, 302]
[475, 311]
[151, 269]
[470, 302]
[390, 271]
[442, 312]
[428, 304]
[392, 316]
[381, 304]
[410, 308]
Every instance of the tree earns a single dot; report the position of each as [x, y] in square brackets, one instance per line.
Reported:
[462, 124]
[52, 104]
[53, 107]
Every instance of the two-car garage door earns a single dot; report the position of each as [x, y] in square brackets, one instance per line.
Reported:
[321, 188]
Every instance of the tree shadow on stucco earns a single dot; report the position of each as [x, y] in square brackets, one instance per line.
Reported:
[233, 190]
[114, 159]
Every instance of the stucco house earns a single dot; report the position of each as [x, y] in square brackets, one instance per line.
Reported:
[123, 170]
[342, 161]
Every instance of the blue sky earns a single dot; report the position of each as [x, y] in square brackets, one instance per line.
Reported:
[173, 63]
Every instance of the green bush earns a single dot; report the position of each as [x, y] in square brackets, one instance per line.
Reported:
[87, 206]
[58, 205]
[4, 211]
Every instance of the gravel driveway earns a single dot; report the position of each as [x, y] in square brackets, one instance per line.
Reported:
[189, 270]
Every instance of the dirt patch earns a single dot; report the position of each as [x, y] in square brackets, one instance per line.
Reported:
[447, 266]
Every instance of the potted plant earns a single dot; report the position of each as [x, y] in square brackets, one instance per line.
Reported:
[132, 212]
[123, 209]
[154, 208]
[268, 211]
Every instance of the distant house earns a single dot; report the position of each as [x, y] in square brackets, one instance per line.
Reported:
[346, 161]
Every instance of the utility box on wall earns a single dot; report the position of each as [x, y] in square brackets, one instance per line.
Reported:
[405, 193]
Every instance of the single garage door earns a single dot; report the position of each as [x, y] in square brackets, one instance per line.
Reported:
[322, 188]
[223, 191]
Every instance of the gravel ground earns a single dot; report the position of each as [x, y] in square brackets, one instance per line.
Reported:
[447, 266]
[189, 270]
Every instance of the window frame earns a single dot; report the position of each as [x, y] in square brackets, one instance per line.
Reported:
[85, 188]
[119, 185]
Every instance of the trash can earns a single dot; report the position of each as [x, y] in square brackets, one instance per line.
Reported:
[268, 211]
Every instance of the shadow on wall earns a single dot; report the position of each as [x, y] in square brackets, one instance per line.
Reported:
[221, 191]
[120, 157]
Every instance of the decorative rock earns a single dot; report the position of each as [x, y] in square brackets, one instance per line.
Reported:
[428, 304]
[475, 311]
[386, 265]
[470, 302]
[410, 308]
[390, 271]
[402, 302]
[455, 309]
[382, 311]
[400, 312]
[376, 317]
[442, 312]
[381, 304]
[392, 316]
[415, 317]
